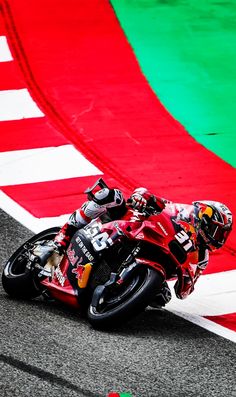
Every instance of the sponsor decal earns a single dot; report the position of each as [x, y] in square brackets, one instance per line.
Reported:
[78, 271]
[59, 275]
[84, 249]
[72, 257]
[134, 218]
[82, 274]
[162, 228]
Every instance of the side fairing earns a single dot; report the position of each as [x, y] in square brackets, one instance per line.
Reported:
[79, 253]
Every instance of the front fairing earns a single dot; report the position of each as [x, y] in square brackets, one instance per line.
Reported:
[59, 287]
[168, 231]
[155, 229]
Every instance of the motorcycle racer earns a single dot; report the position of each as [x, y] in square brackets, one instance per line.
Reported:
[203, 225]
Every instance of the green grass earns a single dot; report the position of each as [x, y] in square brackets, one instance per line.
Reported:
[187, 51]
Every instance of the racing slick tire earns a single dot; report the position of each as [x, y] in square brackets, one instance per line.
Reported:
[18, 281]
[131, 299]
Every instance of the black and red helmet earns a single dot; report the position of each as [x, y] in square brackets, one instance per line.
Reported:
[214, 222]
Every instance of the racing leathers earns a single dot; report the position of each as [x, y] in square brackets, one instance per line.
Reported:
[110, 204]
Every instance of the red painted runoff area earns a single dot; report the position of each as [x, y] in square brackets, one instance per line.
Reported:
[83, 74]
[9, 77]
[226, 320]
[29, 134]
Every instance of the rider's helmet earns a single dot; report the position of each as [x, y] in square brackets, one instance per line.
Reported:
[213, 222]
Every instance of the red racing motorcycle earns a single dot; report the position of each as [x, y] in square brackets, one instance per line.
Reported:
[113, 270]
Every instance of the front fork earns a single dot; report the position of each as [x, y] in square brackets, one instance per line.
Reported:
[115, 281]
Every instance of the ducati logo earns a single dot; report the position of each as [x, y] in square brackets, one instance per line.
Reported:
[162, 228]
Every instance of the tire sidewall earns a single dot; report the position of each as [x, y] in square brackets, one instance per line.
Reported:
[24, 286]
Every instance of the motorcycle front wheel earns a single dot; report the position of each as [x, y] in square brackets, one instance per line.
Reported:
[117, 305]
[18, 281]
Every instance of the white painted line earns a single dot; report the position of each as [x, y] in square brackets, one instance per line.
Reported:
[17, 105]
[32, 223]
[5, 53]
[45, 164]
[207, 324]
[214, 294]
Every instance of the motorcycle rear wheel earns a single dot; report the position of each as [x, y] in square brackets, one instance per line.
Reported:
[131, 299]
[18, 281]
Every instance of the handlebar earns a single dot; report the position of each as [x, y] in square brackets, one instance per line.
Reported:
[148, 211]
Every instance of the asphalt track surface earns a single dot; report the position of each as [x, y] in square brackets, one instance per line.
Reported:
[47, 349]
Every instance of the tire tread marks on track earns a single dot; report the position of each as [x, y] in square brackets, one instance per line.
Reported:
[57, 119]
[45, 375]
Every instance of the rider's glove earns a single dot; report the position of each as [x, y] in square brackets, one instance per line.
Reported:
[183, 289]
[138, 202]
[142, 199]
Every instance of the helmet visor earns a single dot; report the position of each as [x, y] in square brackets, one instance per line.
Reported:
[218, 233]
